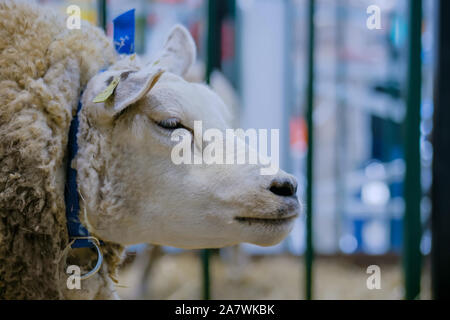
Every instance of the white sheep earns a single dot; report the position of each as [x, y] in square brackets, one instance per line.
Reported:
[130, 190]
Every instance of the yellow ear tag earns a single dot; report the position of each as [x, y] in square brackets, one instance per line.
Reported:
[105, 94]
[133, 56]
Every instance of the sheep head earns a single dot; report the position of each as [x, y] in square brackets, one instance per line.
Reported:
[131, 189]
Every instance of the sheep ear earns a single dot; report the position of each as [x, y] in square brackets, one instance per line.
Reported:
[179, 51]
[132, 86]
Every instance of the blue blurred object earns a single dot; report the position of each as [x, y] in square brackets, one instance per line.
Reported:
[358, 225]
[396, 234]
[124, 28]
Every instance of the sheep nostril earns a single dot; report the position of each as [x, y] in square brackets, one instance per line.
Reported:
[284, 188]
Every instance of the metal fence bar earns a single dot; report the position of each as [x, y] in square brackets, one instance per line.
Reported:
[309, 254]
[413, 193]
[440, 253]
[213, 50]
[101, 6]
[206, 275]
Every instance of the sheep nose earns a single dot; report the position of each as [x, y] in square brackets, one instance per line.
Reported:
[284, 187]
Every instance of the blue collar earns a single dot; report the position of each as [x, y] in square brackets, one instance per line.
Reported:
[124, 26]
[71, 197]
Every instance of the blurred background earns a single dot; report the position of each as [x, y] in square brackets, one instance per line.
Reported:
[314, 70]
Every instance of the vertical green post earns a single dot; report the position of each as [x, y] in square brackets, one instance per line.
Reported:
[413, 193]
[206, 275]
[440, 215]
[309, 254]
[211, 61]
[101, 9]
[213, 47]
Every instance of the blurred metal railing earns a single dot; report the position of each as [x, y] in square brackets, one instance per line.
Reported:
[309, 253]
[212, 48]
[440, 254]
[413, 191]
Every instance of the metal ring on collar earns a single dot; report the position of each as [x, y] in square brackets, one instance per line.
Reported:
[96, 244]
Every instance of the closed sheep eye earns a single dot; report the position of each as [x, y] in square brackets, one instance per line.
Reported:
[170, 124]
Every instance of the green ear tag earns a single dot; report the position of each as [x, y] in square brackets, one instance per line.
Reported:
[105, 94]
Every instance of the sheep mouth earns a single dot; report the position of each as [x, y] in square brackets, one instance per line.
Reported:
[266, 220]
